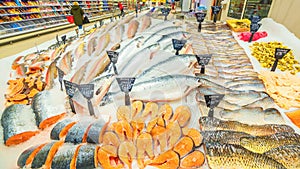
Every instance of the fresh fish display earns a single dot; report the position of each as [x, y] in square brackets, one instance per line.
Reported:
[210, 123]
[287, 155]
[18, 122]
[261, 144]
[235, 156]
[148, 132]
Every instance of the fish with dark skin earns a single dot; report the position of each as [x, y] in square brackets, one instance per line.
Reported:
[261, 144]
[211, 123]
[64, 157]
[87, 157]
[223, 136]
[78, 133]
[18, 122]
[61, 129]
[237, 157]
[288, 155]
[47, 112]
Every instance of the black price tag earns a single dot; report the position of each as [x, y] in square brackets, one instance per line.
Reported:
[216, 10]
[165, 12]
[64, 38]
[113, 56]
[200, 16]
[178, 45]
[255, 18]
[87, 90]
[212, 101]
[126, 84]
[203, 60]
[60, 77]
[70, 90]
[95, 25]
[279, 54]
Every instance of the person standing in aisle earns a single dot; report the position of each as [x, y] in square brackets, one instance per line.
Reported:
[77, 13]
[121, 9]
[137, 8]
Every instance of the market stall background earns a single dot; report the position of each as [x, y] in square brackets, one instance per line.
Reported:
[268, 25]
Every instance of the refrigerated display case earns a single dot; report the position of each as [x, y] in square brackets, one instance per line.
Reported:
[243, 9]
[236, 9]
[259, 7]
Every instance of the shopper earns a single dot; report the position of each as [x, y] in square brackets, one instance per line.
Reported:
[77, 13]
[137, 8]
[121, 9]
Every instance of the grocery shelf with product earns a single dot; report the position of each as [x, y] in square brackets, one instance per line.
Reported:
[154, 89]
[24, 16]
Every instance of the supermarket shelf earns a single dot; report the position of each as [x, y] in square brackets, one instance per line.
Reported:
[40, 31]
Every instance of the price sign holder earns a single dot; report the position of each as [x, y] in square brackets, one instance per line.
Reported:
[60, 77]
[87, 90]
[64, 38]
[70, 90]
[279, 54]
[200, 18]
[203, 60]
[178, 45]
[212, 101]
[58, 43]
[253, 28]
[165, 12]
[126, 84]
[113, 56]
[216, 10]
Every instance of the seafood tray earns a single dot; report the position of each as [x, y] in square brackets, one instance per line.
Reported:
[166, 124]
[242, 25]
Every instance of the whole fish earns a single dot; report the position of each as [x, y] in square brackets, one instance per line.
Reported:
[223, 136]
[174, 35]
[259, 87]
[265, 103]
[254, 116]
[127, 48]
[241, 82]
[134, 64]
[169, 66]
[123, 62]
[161, 89]
[211, 123]
[154, 37]
[288, 155]
[261, 144]
[237, 157]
